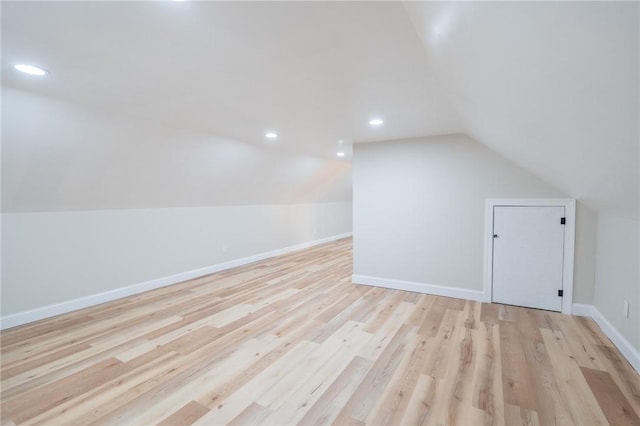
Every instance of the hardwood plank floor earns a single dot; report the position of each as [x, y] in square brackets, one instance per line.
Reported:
[290, 340]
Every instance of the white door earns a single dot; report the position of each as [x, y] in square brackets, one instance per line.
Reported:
[528, 249]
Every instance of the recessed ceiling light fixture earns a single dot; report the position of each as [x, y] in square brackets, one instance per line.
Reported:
[30, 69]
[375, 122]
[271, 135]
[339, 154]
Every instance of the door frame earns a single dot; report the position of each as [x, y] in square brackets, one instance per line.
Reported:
[569, 241]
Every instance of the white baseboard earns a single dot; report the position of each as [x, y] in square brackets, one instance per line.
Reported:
[48, 311]
[624, 346]
[582, 310]
[438, 290]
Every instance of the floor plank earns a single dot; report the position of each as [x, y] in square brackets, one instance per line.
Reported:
[613, 403]
[185, 415]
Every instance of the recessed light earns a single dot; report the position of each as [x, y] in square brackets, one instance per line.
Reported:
[30, 69]
[375, 122]
[271, 135]
[340, 154]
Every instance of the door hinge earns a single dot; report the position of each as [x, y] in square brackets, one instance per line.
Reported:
[560, 293]
[563, 221]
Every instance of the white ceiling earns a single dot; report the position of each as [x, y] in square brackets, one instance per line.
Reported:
[553, 86]
[314, 72]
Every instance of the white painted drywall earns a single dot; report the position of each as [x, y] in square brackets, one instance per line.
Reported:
[419, 211]
[551, 85]
[96, 200]
[313, 71]
[618, 274]
[60, 156]
[54, 257]
[584, 267]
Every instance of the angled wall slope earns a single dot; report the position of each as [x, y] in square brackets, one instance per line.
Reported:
[97, 206]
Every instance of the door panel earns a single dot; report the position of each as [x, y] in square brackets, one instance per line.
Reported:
[528, 249]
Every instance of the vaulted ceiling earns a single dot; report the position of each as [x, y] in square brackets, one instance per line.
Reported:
[553, 86]
[315, 72]
[170, 101]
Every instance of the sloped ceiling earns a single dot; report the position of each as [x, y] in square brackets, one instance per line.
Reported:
[166, 103]
[315, 72]
[553, 86]
[152, 104]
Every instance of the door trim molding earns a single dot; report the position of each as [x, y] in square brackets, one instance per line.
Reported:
[569, 241]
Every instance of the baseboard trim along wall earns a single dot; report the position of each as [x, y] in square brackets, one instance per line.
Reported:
[624, 346]
[49, 311]
[438, 290]
[582, 310]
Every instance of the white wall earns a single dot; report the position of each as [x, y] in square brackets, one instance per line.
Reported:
[584, 270]
[419, 211]
[96, 200]
[48, 258]
[618, 275]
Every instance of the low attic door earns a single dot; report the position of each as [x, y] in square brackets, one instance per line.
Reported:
[528, 250]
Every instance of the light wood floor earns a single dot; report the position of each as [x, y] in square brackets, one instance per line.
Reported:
[291, 340]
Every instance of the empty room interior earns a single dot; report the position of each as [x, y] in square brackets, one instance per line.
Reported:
[307, 212]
